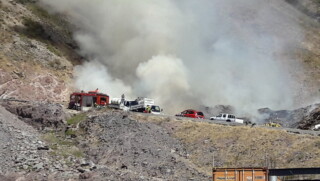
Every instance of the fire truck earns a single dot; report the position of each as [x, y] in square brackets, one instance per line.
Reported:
[86, 100]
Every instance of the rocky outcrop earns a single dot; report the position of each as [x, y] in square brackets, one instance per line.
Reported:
[312, 119]
[22, 150]
[40, 115]
[302, 118]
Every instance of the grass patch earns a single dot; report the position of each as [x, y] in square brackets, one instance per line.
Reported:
[54, 139]
[51, 138]
[70, 132]
[53, 49]
[60, 146]
[76, 119]
[77, 153]
[243, 146]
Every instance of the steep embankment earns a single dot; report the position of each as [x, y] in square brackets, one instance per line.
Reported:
[36, 53]
[309, 53]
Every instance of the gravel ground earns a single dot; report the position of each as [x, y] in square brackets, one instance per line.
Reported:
[135, 150]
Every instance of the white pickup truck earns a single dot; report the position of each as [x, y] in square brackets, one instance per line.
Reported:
[316, 127]
[227, 117]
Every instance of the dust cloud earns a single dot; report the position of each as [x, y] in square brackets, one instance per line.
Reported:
[186, 53]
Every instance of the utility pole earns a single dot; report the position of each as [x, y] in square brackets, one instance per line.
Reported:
[266, 158]
[213, 159]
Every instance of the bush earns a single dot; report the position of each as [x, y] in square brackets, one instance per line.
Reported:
[34, 29]
[25, 1]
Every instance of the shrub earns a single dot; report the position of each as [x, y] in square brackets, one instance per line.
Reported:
[34, 29]
[25, 1]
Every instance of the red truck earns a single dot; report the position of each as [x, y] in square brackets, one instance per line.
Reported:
[81, 100]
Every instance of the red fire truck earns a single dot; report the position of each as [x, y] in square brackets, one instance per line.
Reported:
[81, 100]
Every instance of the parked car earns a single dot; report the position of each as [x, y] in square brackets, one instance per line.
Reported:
[191, 114]
[228, 118]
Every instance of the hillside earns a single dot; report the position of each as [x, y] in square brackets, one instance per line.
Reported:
[41, 140]
[108, 144]
[37, 53]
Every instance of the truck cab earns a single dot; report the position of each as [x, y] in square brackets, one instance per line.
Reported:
[227, 117]
[86, 100]
[154, 110]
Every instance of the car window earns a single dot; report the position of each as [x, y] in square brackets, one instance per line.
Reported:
[155, 108]
[200, 113]
[220, 115]
[190, 112]
[224, 115]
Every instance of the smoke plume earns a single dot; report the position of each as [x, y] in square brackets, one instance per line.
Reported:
[186, 53]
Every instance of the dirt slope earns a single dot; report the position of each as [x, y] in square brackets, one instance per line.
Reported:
[36, 53]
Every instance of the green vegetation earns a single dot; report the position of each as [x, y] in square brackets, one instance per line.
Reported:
[60, 146]
[54, 50]
[34, 30]
[65, 143]
[70, 132]
[25, 1]
[53, 19]
[77, 153]
[76, 119]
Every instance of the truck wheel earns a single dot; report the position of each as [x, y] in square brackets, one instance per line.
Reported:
[228, 120]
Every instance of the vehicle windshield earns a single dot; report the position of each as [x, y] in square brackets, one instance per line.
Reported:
[220, 115]
[155, 108]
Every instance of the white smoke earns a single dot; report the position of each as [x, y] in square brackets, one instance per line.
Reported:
[187, 53]
[92, 75]
[165, 79]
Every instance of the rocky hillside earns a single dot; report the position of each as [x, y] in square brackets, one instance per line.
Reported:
[37, 53]
[44, 143]
[114, 145]
[309, 54]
